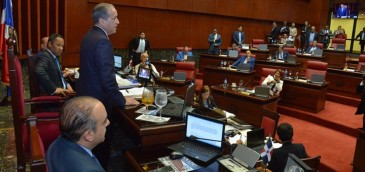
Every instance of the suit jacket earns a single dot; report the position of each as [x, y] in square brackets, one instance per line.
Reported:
[213, 45]
[180, 55]
[284, 29]
[309, 48]
[242, 59]
[285, 55]
[47, 73]
[280, 155]
[325, 37]
[359, 36]
[236, 37]
[97, 73]
[361, 108]
[307, 36]
[305, 29]
[64, 155]
[275, 32]
[135, 43]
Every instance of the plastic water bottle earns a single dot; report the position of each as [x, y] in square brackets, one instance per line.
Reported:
[285, 73]
[225, 83]
[222, 63]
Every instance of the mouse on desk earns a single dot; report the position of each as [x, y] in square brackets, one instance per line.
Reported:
[176, 155]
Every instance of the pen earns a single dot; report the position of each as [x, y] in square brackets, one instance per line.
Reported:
[127, 91]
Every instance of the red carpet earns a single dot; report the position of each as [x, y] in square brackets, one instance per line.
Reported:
[317, 133]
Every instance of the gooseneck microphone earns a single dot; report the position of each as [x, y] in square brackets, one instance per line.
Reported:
[192, 137]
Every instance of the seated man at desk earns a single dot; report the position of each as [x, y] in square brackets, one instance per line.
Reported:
[184, 54]
[146, 64]
[246, 59]
[314, 46]
[234, 47]
[281, 54]
[274, 82]
[280, 155]
[205, 99]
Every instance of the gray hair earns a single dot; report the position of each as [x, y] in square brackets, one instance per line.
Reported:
[101, 11]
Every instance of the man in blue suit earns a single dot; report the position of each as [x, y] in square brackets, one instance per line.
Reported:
[239, 36]
[97, 73]
[246, 59]
[281, 54]
[214, 40]
[313, 47]
[83, 123]
[184, 54]
[342, 11]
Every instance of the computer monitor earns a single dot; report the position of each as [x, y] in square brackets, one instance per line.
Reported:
[293, 163]
[144, 75]
[118, 62]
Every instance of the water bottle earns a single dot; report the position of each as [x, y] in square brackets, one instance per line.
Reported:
[285, 73]
[225, 83]
[222, 64]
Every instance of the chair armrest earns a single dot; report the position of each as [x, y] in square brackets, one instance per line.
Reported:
[37, 159]
[46, 99]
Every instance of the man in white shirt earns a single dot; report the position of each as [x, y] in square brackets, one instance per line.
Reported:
[138, 45]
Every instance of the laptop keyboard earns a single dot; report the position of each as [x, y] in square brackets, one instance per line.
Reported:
[172, 109]
[176, 100]
[195, 150]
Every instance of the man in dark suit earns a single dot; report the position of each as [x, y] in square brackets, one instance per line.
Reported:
[284, 29]
[342, 11]
[361, 108]
[214, 40]
[304, 31]
[361, 35]
[97, 73]
[312, 47]
[138, 45]
[275, 31]
[48, 69]
[281, 54]
[326, 35]
[239, 36]
[311, 36]
[83, 123]
[280, 155]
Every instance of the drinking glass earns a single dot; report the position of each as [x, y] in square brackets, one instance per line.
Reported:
[147, 96]
[161, 99]
[240, 85]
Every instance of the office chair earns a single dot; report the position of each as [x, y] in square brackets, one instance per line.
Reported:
[313, 162]
[320, 45]
[338, 41]
[361, 61]
[257, 42]
[269, 122]
[315, 67]
[178, 49]
[291, 50]
[265, 72]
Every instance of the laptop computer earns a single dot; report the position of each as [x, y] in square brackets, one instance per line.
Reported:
[242, 159]
[291, 59]
[233, 53]
[256, 139]
[289, 43]
[340, 47]
[190, 59]
[203, 138]
[245, 46]
[118, 62]
[244, 67]
[317, 52]
[180, 76]
[262, 47]
[262, 91]
[317, 78]
[176, 109]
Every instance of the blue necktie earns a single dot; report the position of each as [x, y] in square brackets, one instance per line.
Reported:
[60, 73]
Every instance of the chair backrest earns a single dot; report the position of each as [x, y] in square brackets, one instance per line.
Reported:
[187, 67]
[269, 122]
[37, 151]
[313, 162]
[257, 42]
[320, 45]
[265, 72]
[33, 85]
[178, 49]
[337, 41]
[291, 50]
[361, 61]
[315, 67]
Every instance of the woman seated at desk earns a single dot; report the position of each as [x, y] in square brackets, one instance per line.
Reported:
[205, 99]
[247, 59]
[274, 82]
[144, 64]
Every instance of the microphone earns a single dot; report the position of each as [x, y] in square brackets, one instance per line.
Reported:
[192, 137]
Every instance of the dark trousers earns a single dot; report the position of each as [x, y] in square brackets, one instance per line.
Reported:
[362, 44]
[136, 58]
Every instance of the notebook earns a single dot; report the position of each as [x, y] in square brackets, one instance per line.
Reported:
[180, 76]
[262, 91]
[175, 109]
[242, 159]
[256, 139]
[244, 67]
[291, 59]
[317, 78]
[118, 62]
[340, 47]
[262, 47]
[233, 53]
[203, 138]
[317, 52]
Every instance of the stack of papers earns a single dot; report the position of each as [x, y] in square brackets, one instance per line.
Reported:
[154, 119]
[133, 92]
[125, 83]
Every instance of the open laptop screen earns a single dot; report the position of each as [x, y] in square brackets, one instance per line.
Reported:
[206, 128]
[118, 62]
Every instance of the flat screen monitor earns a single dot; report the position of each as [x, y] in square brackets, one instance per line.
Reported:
[293, 163]
[144, 75]
[345, 10]
[118, 62]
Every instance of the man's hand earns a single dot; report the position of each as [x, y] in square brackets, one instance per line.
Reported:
[61, 91]
[66, 73]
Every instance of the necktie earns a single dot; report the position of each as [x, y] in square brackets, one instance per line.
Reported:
[60, 72]
[96, 159]
[273, 88]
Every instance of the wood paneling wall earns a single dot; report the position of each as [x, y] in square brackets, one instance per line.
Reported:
[167, 23]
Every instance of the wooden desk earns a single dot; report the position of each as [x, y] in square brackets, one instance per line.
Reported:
[304, 96]
[246, 108]
[343, 84]
[335, 59]
[214, 75]
[167, 67]
[276, 65]
[179, 87]
[260, 54]
[150, 134]
[303, 59]
[212, 60]
[273, 48]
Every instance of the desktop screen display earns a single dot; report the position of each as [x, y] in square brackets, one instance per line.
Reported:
[118, 62]
[345, 10]
[144, 74]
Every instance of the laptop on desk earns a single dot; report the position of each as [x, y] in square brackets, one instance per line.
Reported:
[203, 138]
[291, 59]
[317, 52]
[245, 46]
[233, 53]
[317, 79]
[242, 159]
[256, 139]
[289, 43]
[262, 47]
[340, 47]
[178, 109]
[262, 91]
[244, 67]
[180, 76]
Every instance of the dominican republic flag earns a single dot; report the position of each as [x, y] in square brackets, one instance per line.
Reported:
[6, 24]
[266, 152]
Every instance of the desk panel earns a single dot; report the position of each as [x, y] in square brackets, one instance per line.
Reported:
[335, 59]
[246, 108]
[260, 54]
[167, 67]
[303, 59]
[215, 76]
[212, 60]
[303, 96]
